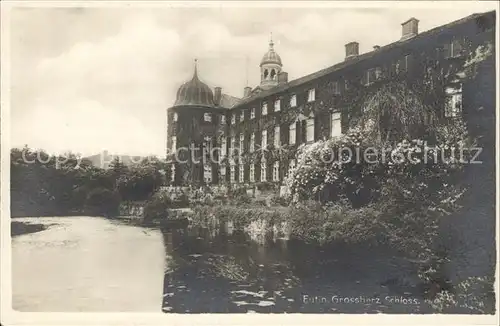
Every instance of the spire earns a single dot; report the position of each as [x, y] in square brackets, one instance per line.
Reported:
[271, 43]
[195, 76]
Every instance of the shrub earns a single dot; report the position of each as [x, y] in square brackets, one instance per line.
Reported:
[473, 295]
[157, 207]
[278, 200]
[103, 202]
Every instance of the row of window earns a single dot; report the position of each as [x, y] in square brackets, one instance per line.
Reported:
[335, 130]
[207, 172]
[311, 97]
[207, 117]
[251, 172]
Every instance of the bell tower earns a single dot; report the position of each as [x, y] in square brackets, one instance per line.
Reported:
[270, 67]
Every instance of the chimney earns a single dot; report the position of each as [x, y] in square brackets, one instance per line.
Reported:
[410, 28]
[217, 95]
[351, 50]
[282, 78]
[246, 91]
[376, 47]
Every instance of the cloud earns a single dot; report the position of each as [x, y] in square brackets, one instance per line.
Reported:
[103, 78]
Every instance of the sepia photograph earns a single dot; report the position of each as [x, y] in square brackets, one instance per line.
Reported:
[325, 159]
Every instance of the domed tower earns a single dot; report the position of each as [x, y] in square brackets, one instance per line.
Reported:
[270, 67]
[192, 122]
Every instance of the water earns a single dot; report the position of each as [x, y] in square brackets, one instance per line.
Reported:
[220, 269]
[87, 264]
[95, 264]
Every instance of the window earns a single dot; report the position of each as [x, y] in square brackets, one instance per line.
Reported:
[311, 95]
[233, 119]
[276, 171]
[233, 172]
[242, 143]
[223, 119]
[292, 139]
[405, 64]
[223, 145]
[310, 130]
[172, 173]
[453, 49]
[291, 165]
[252, 173]
[346, 85]
[252, 143]
[293, 101]
[263, 171]
[252, 113]
[335, 124]
[176, 117]
[277, 105]
[233, 145]
[371, 75]
[277, 141]
[453, 101]
[223, 170]
[264, 139]
[242, 115]
[207, 117]
[207, 173]
[207, 143]
[336, 88]
[174, 143]
[264, 108]
[241, 173]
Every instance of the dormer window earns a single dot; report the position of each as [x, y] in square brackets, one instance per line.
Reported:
[293, 101]
[264, 108]
[252, 113]
[207, 117]
[311, 95]
[175, 117]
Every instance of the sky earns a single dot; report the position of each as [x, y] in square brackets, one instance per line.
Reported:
[92, 79]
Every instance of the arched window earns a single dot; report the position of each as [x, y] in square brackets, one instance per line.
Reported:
[266, 73]
[273, 74]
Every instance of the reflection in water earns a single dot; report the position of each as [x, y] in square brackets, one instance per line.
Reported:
[225, 269]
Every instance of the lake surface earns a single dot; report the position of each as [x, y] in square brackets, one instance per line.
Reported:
[219, 269]
[87, 264]
[95, 264]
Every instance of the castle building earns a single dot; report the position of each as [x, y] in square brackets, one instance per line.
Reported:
[221, 139]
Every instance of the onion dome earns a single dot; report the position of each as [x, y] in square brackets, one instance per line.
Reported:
[271, 56]
[195, 93]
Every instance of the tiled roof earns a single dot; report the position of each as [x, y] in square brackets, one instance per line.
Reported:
[228, 101]
[350, 62]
